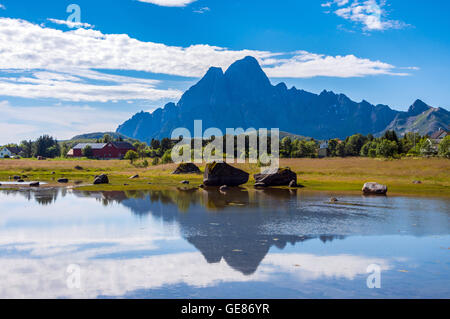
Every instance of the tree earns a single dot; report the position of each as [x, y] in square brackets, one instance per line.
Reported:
[27, 148]
[286, 147]
[166, 144]
[107, 138]
[131, 156]
[444, 147]
[46, 146]
[155, 144]
[167, 157]
[332, 147]
[354, 144]
[140, 148]
[87, 151]
[387, 148]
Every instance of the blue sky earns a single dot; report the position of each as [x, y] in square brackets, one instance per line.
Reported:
[129, 55]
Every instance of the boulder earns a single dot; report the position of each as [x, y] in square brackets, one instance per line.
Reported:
[218, 174]
[101, 179]
[16, 177]
[34, 184]
[63, 180]
[184, 182]
[134, 176]
[187, 168]
[276, 177]
[374, 189]
[20, 181]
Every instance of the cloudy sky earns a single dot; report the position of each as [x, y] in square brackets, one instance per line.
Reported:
[64, 76]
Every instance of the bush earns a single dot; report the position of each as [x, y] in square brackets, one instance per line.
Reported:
[444, 147]
[167, 158]
[131, 156]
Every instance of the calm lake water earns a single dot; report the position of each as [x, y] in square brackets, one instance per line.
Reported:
[186, 243]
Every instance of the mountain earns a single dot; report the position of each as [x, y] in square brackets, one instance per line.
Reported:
[244, 97]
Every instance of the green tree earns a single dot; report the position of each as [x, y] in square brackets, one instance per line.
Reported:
[332, 147]
[286, 147]
[444, 147]
[387, 148]
[46, 146]
[155, 144]
[166, 144]
[354, 144]
[131, 156]
[167, 157]
[87, 151]
[107, 138]
[27, 148]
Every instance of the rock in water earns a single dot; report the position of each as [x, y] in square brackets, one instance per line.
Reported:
[218, 174]
[63, 180]
[34, 184]
[186, 168]
[293, 183]
[374, 189]
[276, 177]
[101, 179]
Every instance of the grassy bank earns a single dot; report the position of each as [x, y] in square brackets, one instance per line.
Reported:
[331, 174]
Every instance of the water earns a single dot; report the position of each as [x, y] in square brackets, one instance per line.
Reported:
[186, 243]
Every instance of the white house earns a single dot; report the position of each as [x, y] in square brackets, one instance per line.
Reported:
[9, 152]
[4, 152]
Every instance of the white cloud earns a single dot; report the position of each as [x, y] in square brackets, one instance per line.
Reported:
[369, 13]
[202, 10]
[311, 65]
[2, 7]
[169, 3]
[72, 85]
[71, 24]
[22, 122]
[28, 46]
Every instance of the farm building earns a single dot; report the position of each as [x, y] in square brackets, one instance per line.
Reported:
[112, 150]
[9, 152]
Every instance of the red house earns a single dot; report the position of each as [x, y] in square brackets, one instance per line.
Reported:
[112, 150]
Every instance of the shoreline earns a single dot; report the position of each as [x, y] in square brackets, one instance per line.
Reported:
[331, 175]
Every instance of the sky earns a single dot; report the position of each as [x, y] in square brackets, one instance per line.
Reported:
[80, 66]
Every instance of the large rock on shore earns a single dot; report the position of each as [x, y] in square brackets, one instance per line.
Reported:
[101, 179]
[276, 177]
[187, 168]
[374, 189]
[219, 174]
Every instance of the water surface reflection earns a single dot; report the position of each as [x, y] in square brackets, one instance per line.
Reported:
[199, 243]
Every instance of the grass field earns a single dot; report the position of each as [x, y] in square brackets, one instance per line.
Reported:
[330, 174]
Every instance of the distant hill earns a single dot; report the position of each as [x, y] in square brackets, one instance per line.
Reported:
[98, 135]
[244, 97]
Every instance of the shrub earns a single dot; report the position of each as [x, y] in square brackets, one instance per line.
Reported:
[444, 147]
[131, 156]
